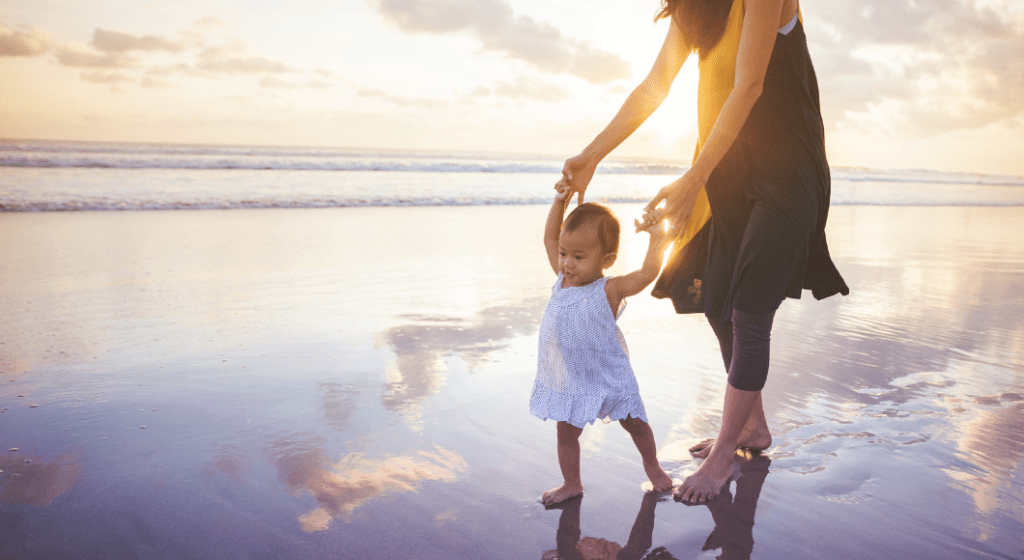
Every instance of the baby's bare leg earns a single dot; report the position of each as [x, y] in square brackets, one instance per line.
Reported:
[569, 463]
[643, 437]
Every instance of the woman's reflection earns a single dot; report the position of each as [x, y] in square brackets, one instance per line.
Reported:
[733, 516]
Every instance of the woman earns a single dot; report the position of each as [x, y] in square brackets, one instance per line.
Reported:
[750, 213]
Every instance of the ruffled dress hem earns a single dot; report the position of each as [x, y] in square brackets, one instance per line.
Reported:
[548, 404]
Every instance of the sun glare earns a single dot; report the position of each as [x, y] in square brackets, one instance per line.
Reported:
[676, 119]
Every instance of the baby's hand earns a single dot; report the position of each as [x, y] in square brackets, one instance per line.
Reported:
[655, 224]
[651, 218]
[564, 189]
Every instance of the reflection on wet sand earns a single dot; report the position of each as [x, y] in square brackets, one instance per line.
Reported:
[27, 480]
[227, 461]
[340, 401]
[572, 547]
[421, 345]
[417, 373]
[994, 441]
[353, 481]
[987, 429]
[733, 533]
[734, 516]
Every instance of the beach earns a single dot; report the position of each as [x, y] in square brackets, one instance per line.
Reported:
[354, 383]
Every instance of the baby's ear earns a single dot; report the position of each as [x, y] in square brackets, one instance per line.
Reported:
[609, 259]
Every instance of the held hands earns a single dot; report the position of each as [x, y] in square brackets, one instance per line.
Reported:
[661, 231]
[563, 191]
[679, 197]
[576, 174]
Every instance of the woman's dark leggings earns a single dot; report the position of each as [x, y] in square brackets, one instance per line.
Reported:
[745, 343]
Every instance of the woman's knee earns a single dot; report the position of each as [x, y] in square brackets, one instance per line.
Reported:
[724, 333]
[751, 350]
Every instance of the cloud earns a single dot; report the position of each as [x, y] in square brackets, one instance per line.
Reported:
[499, 29]
[401, 100]
[118, 42]
[101, 77]
[523, 89]
[151, 82]
[210, 23]
[922, 67]
[232, 59]
[73, 57]
[340, 488]
[275, 82]
[179, 68]
[32, 480]
[21, 43]
[422, 343]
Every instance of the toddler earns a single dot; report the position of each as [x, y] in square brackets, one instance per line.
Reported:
[583, 370]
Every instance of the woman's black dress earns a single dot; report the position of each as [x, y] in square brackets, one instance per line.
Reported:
[769, 199]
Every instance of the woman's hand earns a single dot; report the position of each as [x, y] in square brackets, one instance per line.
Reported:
[576, 175]
[679, 196]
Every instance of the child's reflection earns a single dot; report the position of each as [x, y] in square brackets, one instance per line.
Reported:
[734, 517]
[733, 533]
[571, 547]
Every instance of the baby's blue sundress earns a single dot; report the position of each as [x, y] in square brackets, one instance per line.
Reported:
[583, 370]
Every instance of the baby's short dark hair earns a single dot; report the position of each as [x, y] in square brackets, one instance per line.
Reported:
[606, 222]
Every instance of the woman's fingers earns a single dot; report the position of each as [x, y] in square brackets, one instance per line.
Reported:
[653, 203]
[567, 170]
[678, 213]
[663, 194]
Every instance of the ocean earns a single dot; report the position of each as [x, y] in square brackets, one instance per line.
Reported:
[43, 175]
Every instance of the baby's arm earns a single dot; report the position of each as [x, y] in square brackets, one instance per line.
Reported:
[553, 227]
[619, 287]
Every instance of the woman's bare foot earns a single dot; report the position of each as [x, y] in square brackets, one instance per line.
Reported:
[707, 482]
[660, 480]
[754, 442]
[562, 493]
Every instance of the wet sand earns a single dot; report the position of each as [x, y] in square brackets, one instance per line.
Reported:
[353, 383]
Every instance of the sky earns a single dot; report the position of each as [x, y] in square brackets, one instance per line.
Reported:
[905, 84]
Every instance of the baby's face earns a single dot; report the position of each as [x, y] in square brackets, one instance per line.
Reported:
[580, 256]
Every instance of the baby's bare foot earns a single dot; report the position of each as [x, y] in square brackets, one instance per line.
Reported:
[561, 494]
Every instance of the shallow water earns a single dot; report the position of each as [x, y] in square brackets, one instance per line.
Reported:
[353, 383]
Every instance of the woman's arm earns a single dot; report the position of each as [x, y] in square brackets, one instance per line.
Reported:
[640, 104]
[760, 25]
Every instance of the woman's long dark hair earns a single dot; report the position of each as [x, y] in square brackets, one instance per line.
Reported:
[701, 21]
